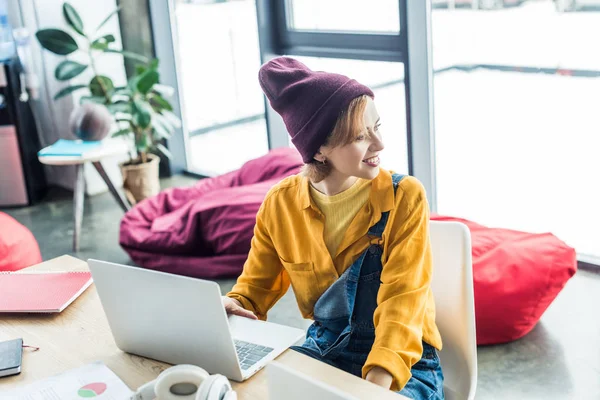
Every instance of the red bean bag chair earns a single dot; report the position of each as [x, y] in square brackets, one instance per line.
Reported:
[516, 276]
[18, 247]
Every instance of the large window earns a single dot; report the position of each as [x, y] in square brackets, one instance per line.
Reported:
[223, 105]
[516, 117]
[211, 50]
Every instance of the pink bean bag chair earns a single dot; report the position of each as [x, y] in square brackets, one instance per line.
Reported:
[18, 247]
[516, 276]
[205, 230]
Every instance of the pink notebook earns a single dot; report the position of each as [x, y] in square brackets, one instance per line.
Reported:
[41, 292]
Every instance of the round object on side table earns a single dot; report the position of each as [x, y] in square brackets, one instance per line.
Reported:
[90, 122]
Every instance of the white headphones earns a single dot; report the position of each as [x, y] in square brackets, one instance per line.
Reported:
[186, 382]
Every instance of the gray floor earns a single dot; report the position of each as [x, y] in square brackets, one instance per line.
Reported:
[559, 359]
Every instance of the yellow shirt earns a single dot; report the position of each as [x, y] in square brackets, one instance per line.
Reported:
[288, 247]
[339, 210]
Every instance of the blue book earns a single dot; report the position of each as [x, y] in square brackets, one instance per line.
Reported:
[74, 148]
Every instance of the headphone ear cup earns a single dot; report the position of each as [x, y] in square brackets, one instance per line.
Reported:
[232, 395]
[213, 387]
[146, 391]
[189, 374]
[204, 389]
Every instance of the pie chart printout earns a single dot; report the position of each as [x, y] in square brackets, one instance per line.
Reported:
[92, 390]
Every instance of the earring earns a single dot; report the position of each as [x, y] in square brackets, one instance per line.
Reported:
[324, 162]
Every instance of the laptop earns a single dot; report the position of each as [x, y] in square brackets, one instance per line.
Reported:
[181, 320]
[286, 383]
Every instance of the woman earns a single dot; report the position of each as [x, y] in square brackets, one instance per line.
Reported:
[351, 238]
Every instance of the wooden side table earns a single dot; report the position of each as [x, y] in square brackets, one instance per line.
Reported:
[105, 150]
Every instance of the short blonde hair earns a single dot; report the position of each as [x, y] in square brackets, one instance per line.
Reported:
[349, 125]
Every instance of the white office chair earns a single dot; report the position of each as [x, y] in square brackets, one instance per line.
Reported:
[452, 285]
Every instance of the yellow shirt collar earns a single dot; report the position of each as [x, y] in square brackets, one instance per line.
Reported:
[381, 197]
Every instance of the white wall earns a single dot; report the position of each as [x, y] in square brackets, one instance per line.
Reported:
[53, 116]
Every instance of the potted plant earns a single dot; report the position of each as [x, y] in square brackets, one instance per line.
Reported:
[140, 109]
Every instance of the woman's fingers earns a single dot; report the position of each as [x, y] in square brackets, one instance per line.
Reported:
[242, 312]
[234, 307]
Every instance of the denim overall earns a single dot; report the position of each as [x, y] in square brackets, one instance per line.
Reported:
[343, 331]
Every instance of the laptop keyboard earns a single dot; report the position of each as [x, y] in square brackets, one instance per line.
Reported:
[250, 353]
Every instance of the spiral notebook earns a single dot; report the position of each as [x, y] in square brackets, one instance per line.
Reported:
[41, 292]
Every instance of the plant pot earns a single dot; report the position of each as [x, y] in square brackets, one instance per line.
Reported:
[140, 181]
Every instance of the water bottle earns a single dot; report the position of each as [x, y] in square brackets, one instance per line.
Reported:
[7, 44]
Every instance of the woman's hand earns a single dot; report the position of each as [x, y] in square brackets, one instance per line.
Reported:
[380, 377]
[233, 307]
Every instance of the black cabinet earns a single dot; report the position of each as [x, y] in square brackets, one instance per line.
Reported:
[22, 179]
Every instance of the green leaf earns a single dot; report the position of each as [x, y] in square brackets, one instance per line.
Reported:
[132, 83]
[68, 70]
[57, 41]
[160, 130]
[73, 19]
[172, 118]
[116, 98]
[140, 69]
[68, 90]
[141, 113]
[163, 90]
[108, 38]
[120, 107]
[122, 132]
[93, 99]
[121, 94]
[163, 150]
[102, 42]
[98, 45]
[112, 14]
[100, 84]
[147, 80]
[159, 103]
[129, 54]
[123, 90]
[164, 122]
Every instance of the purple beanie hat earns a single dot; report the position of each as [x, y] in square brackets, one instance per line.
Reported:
[309, 102]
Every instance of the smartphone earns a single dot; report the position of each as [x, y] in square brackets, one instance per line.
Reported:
[11, 354]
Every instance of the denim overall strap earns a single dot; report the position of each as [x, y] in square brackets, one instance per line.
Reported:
[367, 289]
[377, 229]
[396, 178]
